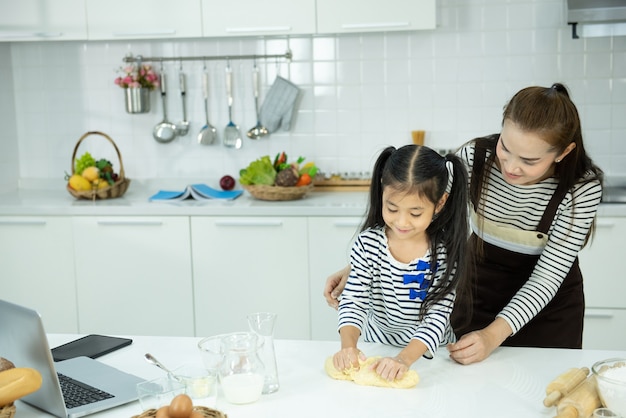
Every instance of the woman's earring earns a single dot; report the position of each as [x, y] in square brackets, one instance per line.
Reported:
[558, 160]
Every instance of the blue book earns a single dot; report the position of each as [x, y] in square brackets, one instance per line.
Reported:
[196, 191]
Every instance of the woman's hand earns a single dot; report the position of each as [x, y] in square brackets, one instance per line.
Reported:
[478, 345]
[390, 368]
[335, 283]
[348, 358]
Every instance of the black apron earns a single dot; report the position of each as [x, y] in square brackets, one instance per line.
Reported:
[500, 273]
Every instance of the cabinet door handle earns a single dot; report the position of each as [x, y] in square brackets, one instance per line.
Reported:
[603, 223]
[130, 222]
[243, 222]
[374, 25]
[151, 33]
[32, 222]
[346, 223]
[31, 35]
[599, 314]
[260, 29]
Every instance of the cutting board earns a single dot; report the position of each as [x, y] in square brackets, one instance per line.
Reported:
[341, 185]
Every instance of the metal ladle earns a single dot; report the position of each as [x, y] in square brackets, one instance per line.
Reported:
[151, 359]
[258, 130]
[164, 131]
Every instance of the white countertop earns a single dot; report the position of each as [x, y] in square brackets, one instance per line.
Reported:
[511, 383]
[50, 198]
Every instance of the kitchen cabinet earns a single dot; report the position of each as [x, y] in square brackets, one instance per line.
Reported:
[270, 17]
[248, 264]
[143, 19]
[604, 286]
[37, 262]
[330, 241]
[134, 275]
[338, 16]
[42, 20]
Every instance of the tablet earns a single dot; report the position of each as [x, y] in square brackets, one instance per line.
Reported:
[92, 345]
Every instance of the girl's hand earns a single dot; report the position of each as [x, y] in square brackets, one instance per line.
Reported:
[348, 358]
[335, 283]
[390, 368]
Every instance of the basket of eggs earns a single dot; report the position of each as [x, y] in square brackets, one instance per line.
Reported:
[279, 180]
[181, 407]
[96, 179]
[15, 382]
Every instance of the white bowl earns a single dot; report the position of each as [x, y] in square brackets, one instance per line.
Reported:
[611, 378]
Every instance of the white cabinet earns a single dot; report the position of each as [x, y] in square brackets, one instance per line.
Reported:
[330, 241]
[134, 275]
[337, 16]
[143, 19]
[37, 268]
[603, 276]
[42, 20]
[270, 17]
[249, 264]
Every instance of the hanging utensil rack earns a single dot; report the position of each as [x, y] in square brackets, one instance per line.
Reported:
[131, 59]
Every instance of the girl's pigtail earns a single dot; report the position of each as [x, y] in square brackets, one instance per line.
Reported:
[374, 216]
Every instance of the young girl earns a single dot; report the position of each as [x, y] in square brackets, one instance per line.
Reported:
[408, 261]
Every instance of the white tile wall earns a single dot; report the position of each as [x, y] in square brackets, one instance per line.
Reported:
[360, 93]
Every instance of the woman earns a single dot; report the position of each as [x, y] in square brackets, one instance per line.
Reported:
[534, 194]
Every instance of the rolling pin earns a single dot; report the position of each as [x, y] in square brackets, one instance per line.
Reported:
[564, 384]
[581, 402]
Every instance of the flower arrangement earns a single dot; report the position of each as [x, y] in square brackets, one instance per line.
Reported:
[138, 76]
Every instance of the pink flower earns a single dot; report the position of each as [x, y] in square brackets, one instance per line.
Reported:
[137, 76]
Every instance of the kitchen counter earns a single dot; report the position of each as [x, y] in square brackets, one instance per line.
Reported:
[510, 383]
[51, 199]
[35, 198]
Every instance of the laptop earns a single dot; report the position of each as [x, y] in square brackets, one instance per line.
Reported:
[24, 342]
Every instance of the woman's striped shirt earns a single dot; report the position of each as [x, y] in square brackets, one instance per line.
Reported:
[383, 296]
[521, 208]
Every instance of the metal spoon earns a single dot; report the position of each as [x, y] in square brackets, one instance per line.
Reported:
[208, 133]
[232, 136]
[258, 130]
[151, 359]
[182, 129]
[164, 131]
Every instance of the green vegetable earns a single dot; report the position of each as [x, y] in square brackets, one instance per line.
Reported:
[261, 171]
[86, 160]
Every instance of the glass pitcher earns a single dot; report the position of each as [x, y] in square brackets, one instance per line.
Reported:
[242, 372]
[262, 324]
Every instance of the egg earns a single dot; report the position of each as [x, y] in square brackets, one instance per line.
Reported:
[163, 412]
[180, 407]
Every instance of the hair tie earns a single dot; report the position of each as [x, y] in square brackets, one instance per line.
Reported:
[450, 168]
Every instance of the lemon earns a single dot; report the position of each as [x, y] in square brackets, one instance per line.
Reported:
[91, 173]
[79, 183]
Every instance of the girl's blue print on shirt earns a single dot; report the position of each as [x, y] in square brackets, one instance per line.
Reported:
[423, 283]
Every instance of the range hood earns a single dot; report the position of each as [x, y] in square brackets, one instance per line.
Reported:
[591, 18]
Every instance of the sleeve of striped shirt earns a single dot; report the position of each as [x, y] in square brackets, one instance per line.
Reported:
[566, 239]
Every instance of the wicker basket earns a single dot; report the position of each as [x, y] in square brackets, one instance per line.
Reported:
[7, 411]
[115, 190]
[263, 192]
[207, 412]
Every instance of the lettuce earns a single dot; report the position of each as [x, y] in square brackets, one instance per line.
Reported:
[260, 171]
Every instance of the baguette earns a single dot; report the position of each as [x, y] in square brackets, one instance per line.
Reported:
[18, 382]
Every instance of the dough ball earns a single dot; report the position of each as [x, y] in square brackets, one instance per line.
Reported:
[368, 377]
